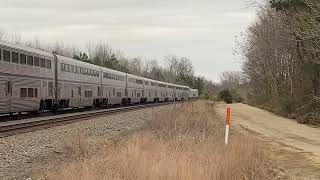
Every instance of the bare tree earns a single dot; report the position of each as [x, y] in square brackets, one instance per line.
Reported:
[2, 34]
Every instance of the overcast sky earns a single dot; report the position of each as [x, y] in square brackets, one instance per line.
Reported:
[203, 30]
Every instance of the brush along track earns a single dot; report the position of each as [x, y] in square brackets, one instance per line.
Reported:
[23, 126]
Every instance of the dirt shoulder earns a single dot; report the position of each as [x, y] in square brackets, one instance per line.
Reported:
[296, 146]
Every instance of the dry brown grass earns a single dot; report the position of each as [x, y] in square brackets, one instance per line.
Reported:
[183, 142]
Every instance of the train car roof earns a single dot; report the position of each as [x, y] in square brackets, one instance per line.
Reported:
[135, 76]
[25, 48]
[77, 62]
[104, 69]
[147, 79]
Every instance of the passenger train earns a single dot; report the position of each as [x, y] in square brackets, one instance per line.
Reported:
[32, 80]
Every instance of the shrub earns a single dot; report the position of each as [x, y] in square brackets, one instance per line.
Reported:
[225, 96]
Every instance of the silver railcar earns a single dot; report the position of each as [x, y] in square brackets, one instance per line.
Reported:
[114, 85]
[35, 80]
[26, 78]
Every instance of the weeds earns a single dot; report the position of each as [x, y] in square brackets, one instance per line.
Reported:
[182, 142]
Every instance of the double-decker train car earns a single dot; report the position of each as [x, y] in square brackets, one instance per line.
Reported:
[135, 89]
[79, 83]
[26, 77]
[32, 80]
[114, 87]
[161, 91]
[150, 90]
[171, 92]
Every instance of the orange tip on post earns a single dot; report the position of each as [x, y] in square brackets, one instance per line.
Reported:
[228, 116]
[228, 119]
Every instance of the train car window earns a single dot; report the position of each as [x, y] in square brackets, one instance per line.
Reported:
[48, 64]
[30, 60]
[114, 92]
[50, 87]
[67, 67]
[99, 91]
[15, 57]
[36, 92]
[42, 63]
[30, 92]
[0, 54]
[36, 61]
[23, 92]
[62, 67]
[23, 59]
[6, 55]
[71, 68]
[118, 94]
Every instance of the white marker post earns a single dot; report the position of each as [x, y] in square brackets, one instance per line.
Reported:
[228, 119]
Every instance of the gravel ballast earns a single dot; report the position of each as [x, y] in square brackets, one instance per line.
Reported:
[30, 155]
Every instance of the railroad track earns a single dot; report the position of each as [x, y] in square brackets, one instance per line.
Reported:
[11, 128]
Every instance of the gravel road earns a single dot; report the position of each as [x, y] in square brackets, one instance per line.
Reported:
[296, 146]
[31, 154]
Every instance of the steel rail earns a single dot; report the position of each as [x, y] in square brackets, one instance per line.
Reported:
[24, 126]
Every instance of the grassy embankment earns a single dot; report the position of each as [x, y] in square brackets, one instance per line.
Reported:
[184, 142]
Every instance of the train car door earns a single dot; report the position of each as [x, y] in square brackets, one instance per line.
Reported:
[79, 96]
[5, 95]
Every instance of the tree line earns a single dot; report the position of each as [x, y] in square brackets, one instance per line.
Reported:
[178, 70]
[281, 58]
